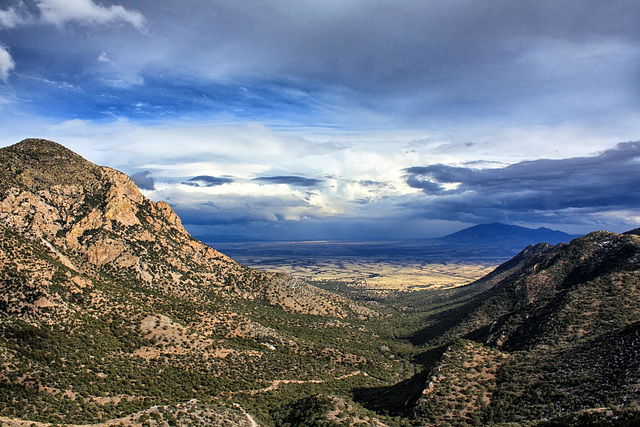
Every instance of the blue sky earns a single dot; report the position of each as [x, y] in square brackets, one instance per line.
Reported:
[340, 119]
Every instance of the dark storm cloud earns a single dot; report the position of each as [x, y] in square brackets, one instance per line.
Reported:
[404, 58]
[144, 180]
[208, 181]
[408, 57]
[365, 43]
[605, 182]
[296, 181]
[342, 73]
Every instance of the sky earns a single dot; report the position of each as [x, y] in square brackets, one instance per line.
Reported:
[340, 119]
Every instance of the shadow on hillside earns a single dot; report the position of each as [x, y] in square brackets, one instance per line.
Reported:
[440, 330]
[399, 399]
[442, 323]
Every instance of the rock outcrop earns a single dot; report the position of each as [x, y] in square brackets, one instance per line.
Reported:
[98, 214]
[109, 307]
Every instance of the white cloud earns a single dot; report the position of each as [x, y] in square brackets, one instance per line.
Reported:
[103, 57]
[6, 63]
[13, 16]
[60, 12]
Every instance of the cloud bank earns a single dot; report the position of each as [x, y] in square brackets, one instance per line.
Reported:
[404, 63]
[144, 180]
[208, 181]
[295, 181]
[368, 118]
[607, 182]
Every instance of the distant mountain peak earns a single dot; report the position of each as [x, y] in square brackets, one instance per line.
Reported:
[505, 235]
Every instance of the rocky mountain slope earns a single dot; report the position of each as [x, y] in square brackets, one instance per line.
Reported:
[52, 196]
[112, 314]
[108, 307]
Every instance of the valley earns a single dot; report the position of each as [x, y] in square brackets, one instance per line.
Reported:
[111, 313]
[351, 264]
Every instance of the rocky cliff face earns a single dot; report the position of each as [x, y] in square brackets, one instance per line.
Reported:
[51, 195]
[108, 307]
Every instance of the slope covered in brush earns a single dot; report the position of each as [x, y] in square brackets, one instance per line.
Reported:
[561, 326]
[109, 309]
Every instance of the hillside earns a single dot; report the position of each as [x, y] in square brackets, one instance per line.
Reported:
[554, 335]
[110, 308]
[112, 314]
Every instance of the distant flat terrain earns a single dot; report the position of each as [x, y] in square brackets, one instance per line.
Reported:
[377, 275]
[375, 266]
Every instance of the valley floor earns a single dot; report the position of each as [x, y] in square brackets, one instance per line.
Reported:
[377, 267]
[378, 277]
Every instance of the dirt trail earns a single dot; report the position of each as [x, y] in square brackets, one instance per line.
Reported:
[252, 421]
[276, 383]
[127, 421]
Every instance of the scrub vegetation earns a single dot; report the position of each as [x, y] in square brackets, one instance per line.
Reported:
[111, 313]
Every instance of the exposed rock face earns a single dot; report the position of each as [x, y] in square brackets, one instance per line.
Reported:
[98, 214]
[108, 303]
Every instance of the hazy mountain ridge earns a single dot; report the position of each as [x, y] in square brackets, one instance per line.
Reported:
[485, 243]
[509, 236]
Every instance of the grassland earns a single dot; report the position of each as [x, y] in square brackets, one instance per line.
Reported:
[377, 267]
[377, 276]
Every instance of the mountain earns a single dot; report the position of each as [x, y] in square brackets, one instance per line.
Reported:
[97, 214]
[111, 314]
[635, 231]
[555, 335]
[503, 235]
[109, 309]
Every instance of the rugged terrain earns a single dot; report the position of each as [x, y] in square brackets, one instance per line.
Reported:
[110, 312]
[109, 307]
[554, 337]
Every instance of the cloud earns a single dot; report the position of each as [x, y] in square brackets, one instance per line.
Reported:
[144, 180]
[296, 181]
[527, 190]
[241, 202]
[86, 12]
[444, 58]
[6, 63]
[103, 57]
[208, 181]
[61, 12]
[14, 16]
[379, 63]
